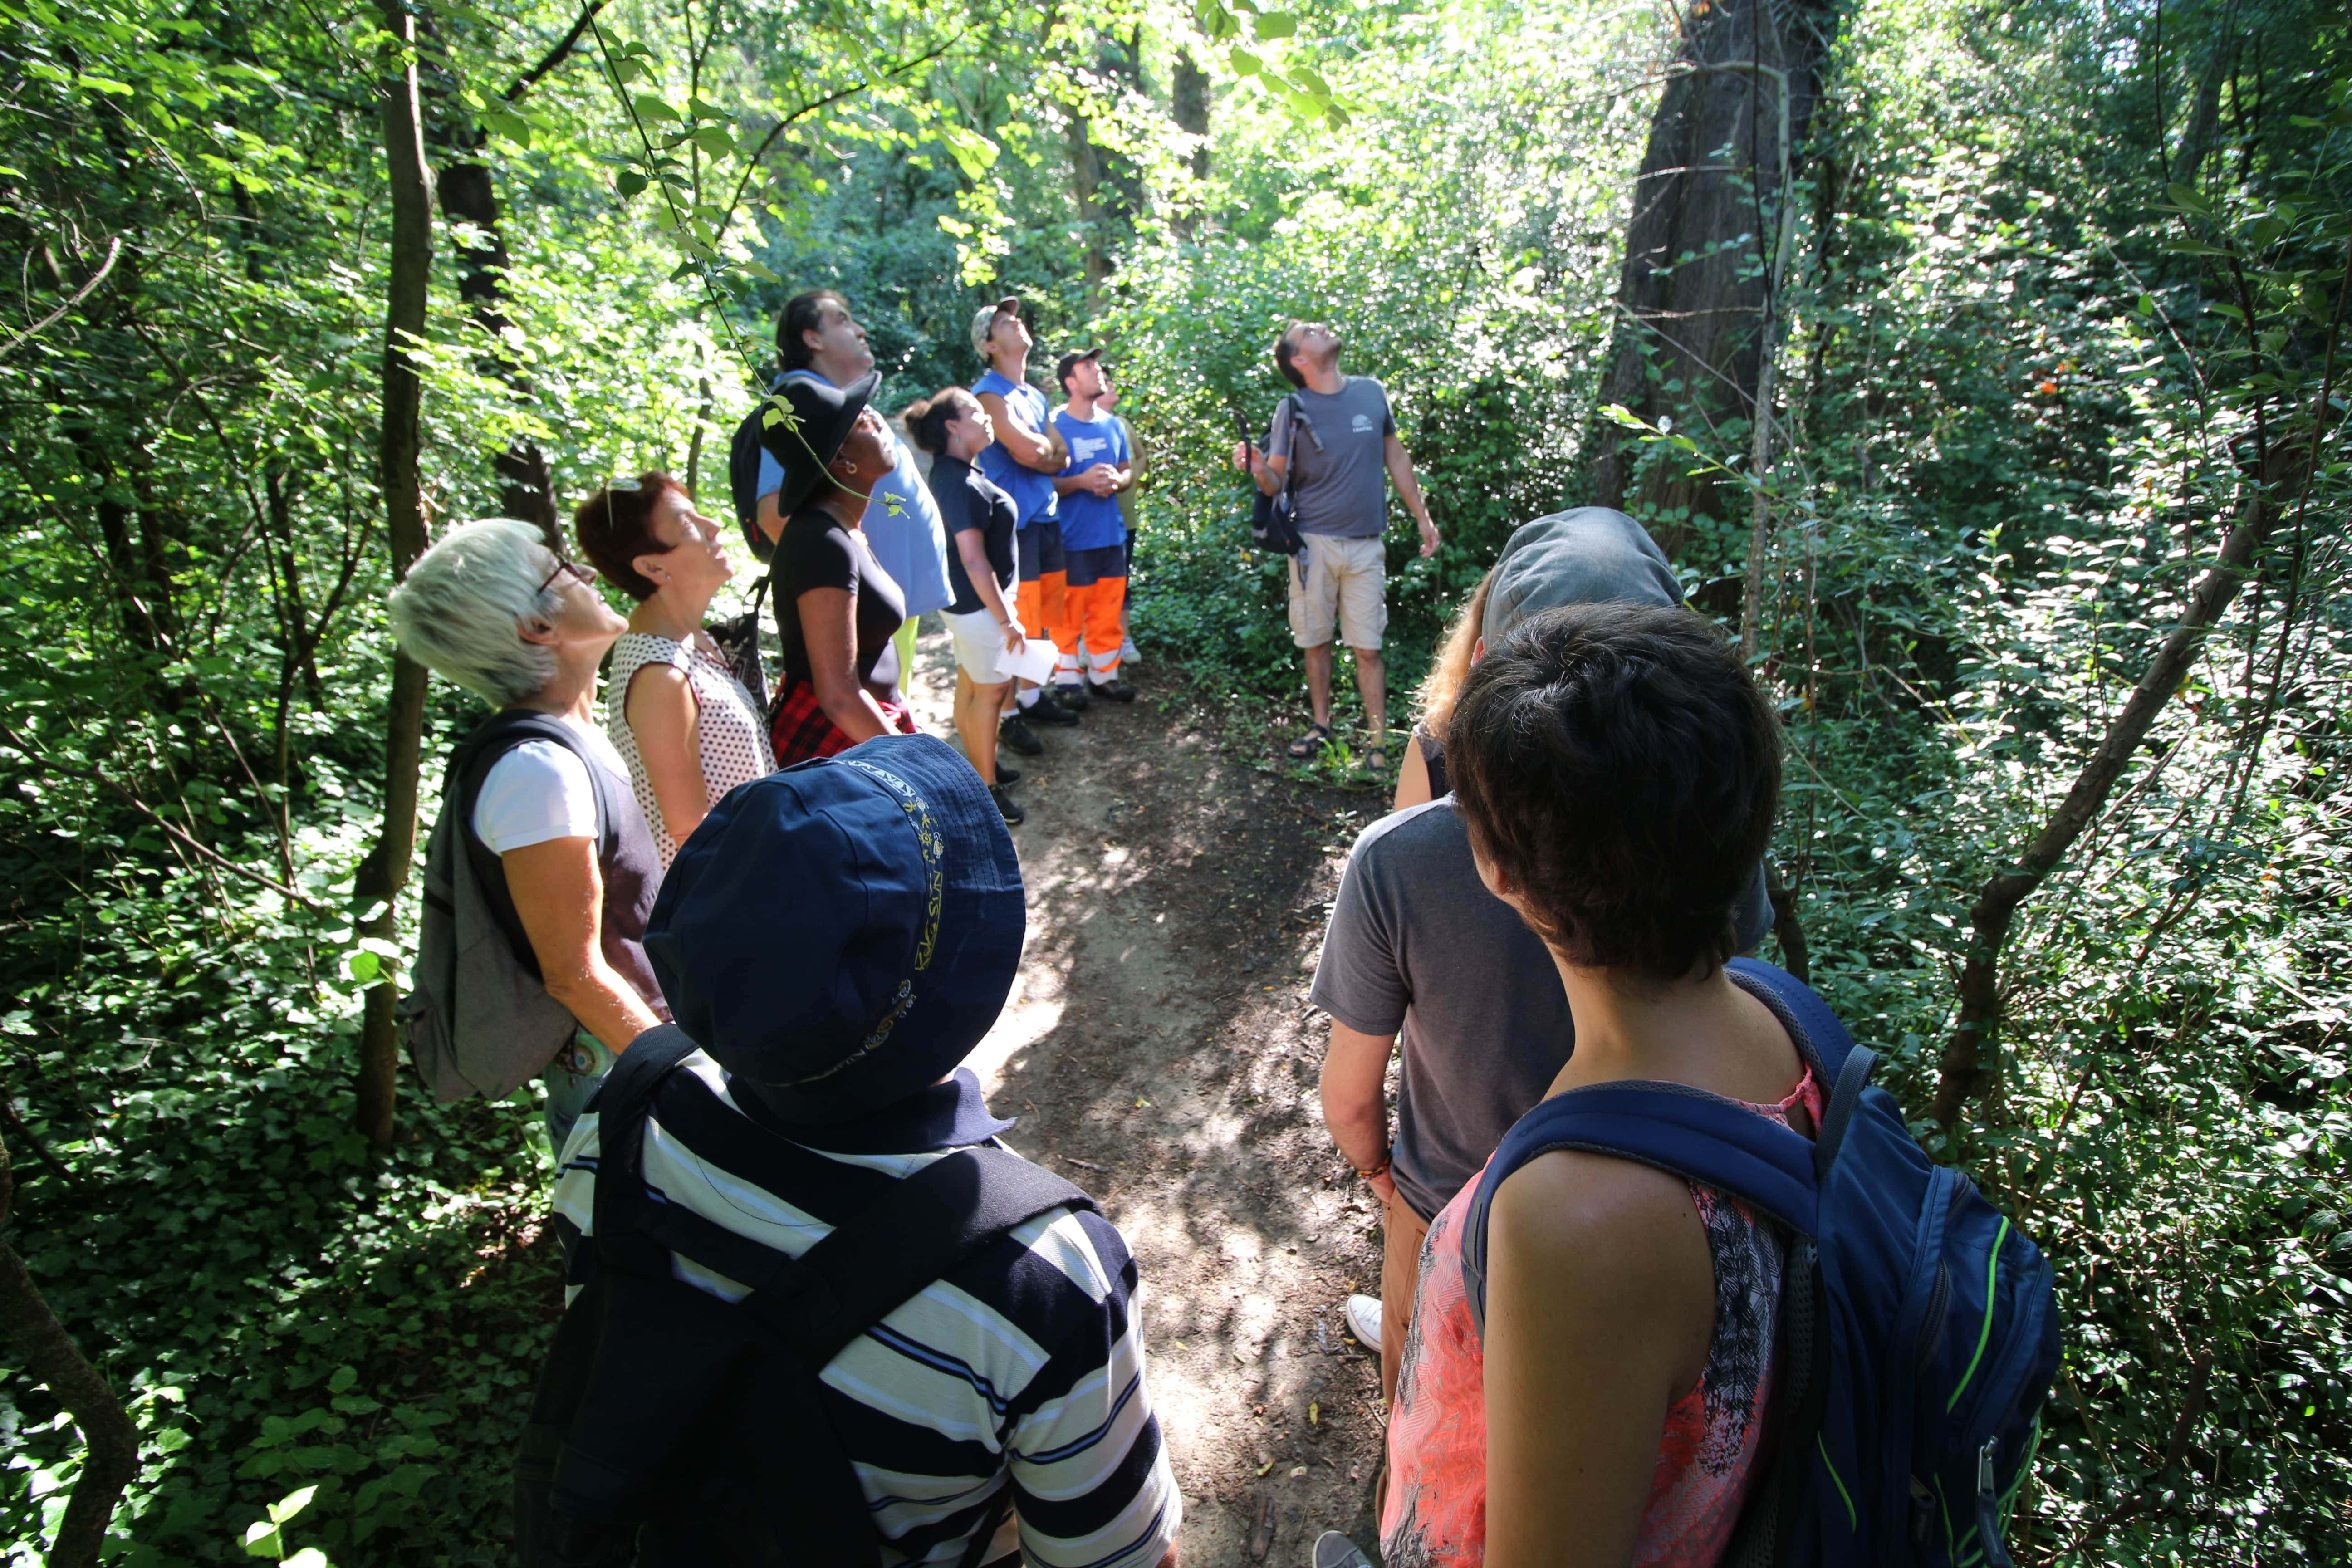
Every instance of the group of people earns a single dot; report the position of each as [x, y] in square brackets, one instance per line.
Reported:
[1577, 850]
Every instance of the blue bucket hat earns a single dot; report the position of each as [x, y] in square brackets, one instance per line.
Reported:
[841, 935]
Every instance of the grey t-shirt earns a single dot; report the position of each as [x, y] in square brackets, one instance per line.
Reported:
[1417, 944]
[1341, 486]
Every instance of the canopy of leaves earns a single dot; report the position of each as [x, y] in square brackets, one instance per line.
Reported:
[2067, 296]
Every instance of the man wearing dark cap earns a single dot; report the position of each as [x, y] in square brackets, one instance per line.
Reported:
[1023, 460]
[1094, 532]
[1417, 946]
[837, 937]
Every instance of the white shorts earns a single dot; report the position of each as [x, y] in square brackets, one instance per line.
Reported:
[1343, 581]
[979, 645]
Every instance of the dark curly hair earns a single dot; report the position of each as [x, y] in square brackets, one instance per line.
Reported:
[1619, 768]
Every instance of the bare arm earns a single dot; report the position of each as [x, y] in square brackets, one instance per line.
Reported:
[1407, 489]
[1600, 1305]
[559, 891]
[1413, 786]
[829, 627]
[1043, 450]
[1355, 1107]
[666, 721]
[770, 521]
[972, 548]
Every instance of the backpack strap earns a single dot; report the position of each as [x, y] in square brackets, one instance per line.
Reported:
[1687, 1133]
[622, 1103]
[469, 770]
[871, 1264]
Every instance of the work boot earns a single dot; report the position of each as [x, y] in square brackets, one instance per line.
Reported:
[1006, 774]
[1114, 691]
[1045, 710]
[1013, 814]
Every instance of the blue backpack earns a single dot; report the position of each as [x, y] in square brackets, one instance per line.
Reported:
[1917, 1333]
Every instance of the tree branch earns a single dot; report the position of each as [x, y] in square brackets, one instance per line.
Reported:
[11, 738]
[113, 249]
[52, 1358]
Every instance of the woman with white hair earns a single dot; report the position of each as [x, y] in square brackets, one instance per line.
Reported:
[553, 830]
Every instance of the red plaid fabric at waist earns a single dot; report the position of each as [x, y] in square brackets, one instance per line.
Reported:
[801, 727]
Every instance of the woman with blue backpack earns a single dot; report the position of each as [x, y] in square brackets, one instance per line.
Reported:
[1708, 1301]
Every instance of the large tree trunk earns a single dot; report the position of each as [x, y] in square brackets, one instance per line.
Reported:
[1689, 338]
[52, 1358]
[385, 871]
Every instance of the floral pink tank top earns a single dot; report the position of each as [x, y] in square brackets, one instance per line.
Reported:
[1437, 1511]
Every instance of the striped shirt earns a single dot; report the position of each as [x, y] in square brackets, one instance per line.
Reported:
[1023, 1364]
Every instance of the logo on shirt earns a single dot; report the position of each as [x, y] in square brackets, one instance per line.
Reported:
[1087, 448]
[1363, 424]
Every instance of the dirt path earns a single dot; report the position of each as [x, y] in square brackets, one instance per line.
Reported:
[1160, 1051]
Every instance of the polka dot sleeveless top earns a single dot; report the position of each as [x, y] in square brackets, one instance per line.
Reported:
[734, 742]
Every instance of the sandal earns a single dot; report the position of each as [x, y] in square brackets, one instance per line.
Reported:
[1376, 761]
[1315, 738]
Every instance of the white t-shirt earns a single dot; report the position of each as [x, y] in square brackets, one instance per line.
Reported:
[539, 791]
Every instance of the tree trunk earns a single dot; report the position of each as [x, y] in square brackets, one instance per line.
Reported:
[1969, 1056]
[1188, 105]
[1689, 344]
[53, 1359]
[1086, 186]
[381, 877]
[525, 490]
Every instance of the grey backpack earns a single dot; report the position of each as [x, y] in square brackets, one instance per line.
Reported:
[476, 1018]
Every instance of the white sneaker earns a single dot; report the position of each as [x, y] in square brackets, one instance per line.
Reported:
[1126, 654]
[1363, 1315]
[1333, 1550]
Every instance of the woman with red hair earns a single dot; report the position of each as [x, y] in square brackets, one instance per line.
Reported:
[672, 705]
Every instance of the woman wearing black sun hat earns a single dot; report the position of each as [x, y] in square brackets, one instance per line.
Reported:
[836, 606]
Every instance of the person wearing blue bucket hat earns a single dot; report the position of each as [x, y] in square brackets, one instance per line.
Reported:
[835, 940]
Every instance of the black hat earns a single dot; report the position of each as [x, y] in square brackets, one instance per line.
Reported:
[1070, 361]
[840, 934]
[809, 437]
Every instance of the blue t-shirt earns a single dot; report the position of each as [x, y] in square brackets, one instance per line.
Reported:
[1090, 521]
[1032, 492]
[901, 523]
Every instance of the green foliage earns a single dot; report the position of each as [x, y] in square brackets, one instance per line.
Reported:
[2070, 280]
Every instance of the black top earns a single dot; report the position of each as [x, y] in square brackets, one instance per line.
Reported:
[816, 550]
[970, 500]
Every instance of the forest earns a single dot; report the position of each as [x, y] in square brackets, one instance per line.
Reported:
[1977, 361]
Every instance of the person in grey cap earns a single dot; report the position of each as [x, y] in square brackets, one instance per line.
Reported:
[838, 936]
[1417, 947]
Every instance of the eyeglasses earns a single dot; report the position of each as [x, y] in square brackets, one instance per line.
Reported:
[585, 574]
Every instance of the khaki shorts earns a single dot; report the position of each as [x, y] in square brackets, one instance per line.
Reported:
[979, 645]
[1346, 579]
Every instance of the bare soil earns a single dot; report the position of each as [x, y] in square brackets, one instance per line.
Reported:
[1159, 1049]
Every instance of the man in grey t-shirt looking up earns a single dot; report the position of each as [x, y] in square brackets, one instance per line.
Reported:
[1417, 945]
[1339, 435]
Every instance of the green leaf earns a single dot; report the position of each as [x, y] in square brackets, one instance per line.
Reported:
[715, 140]
[1243, 62]
[285, 1509]
[309, 1557]
[649, 107]
[261, 1540]
[629, 183]
[344, 1379]
[1275, 25]
[364, 966]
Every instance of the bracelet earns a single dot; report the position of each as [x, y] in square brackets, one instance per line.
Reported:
[1381, 1168]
